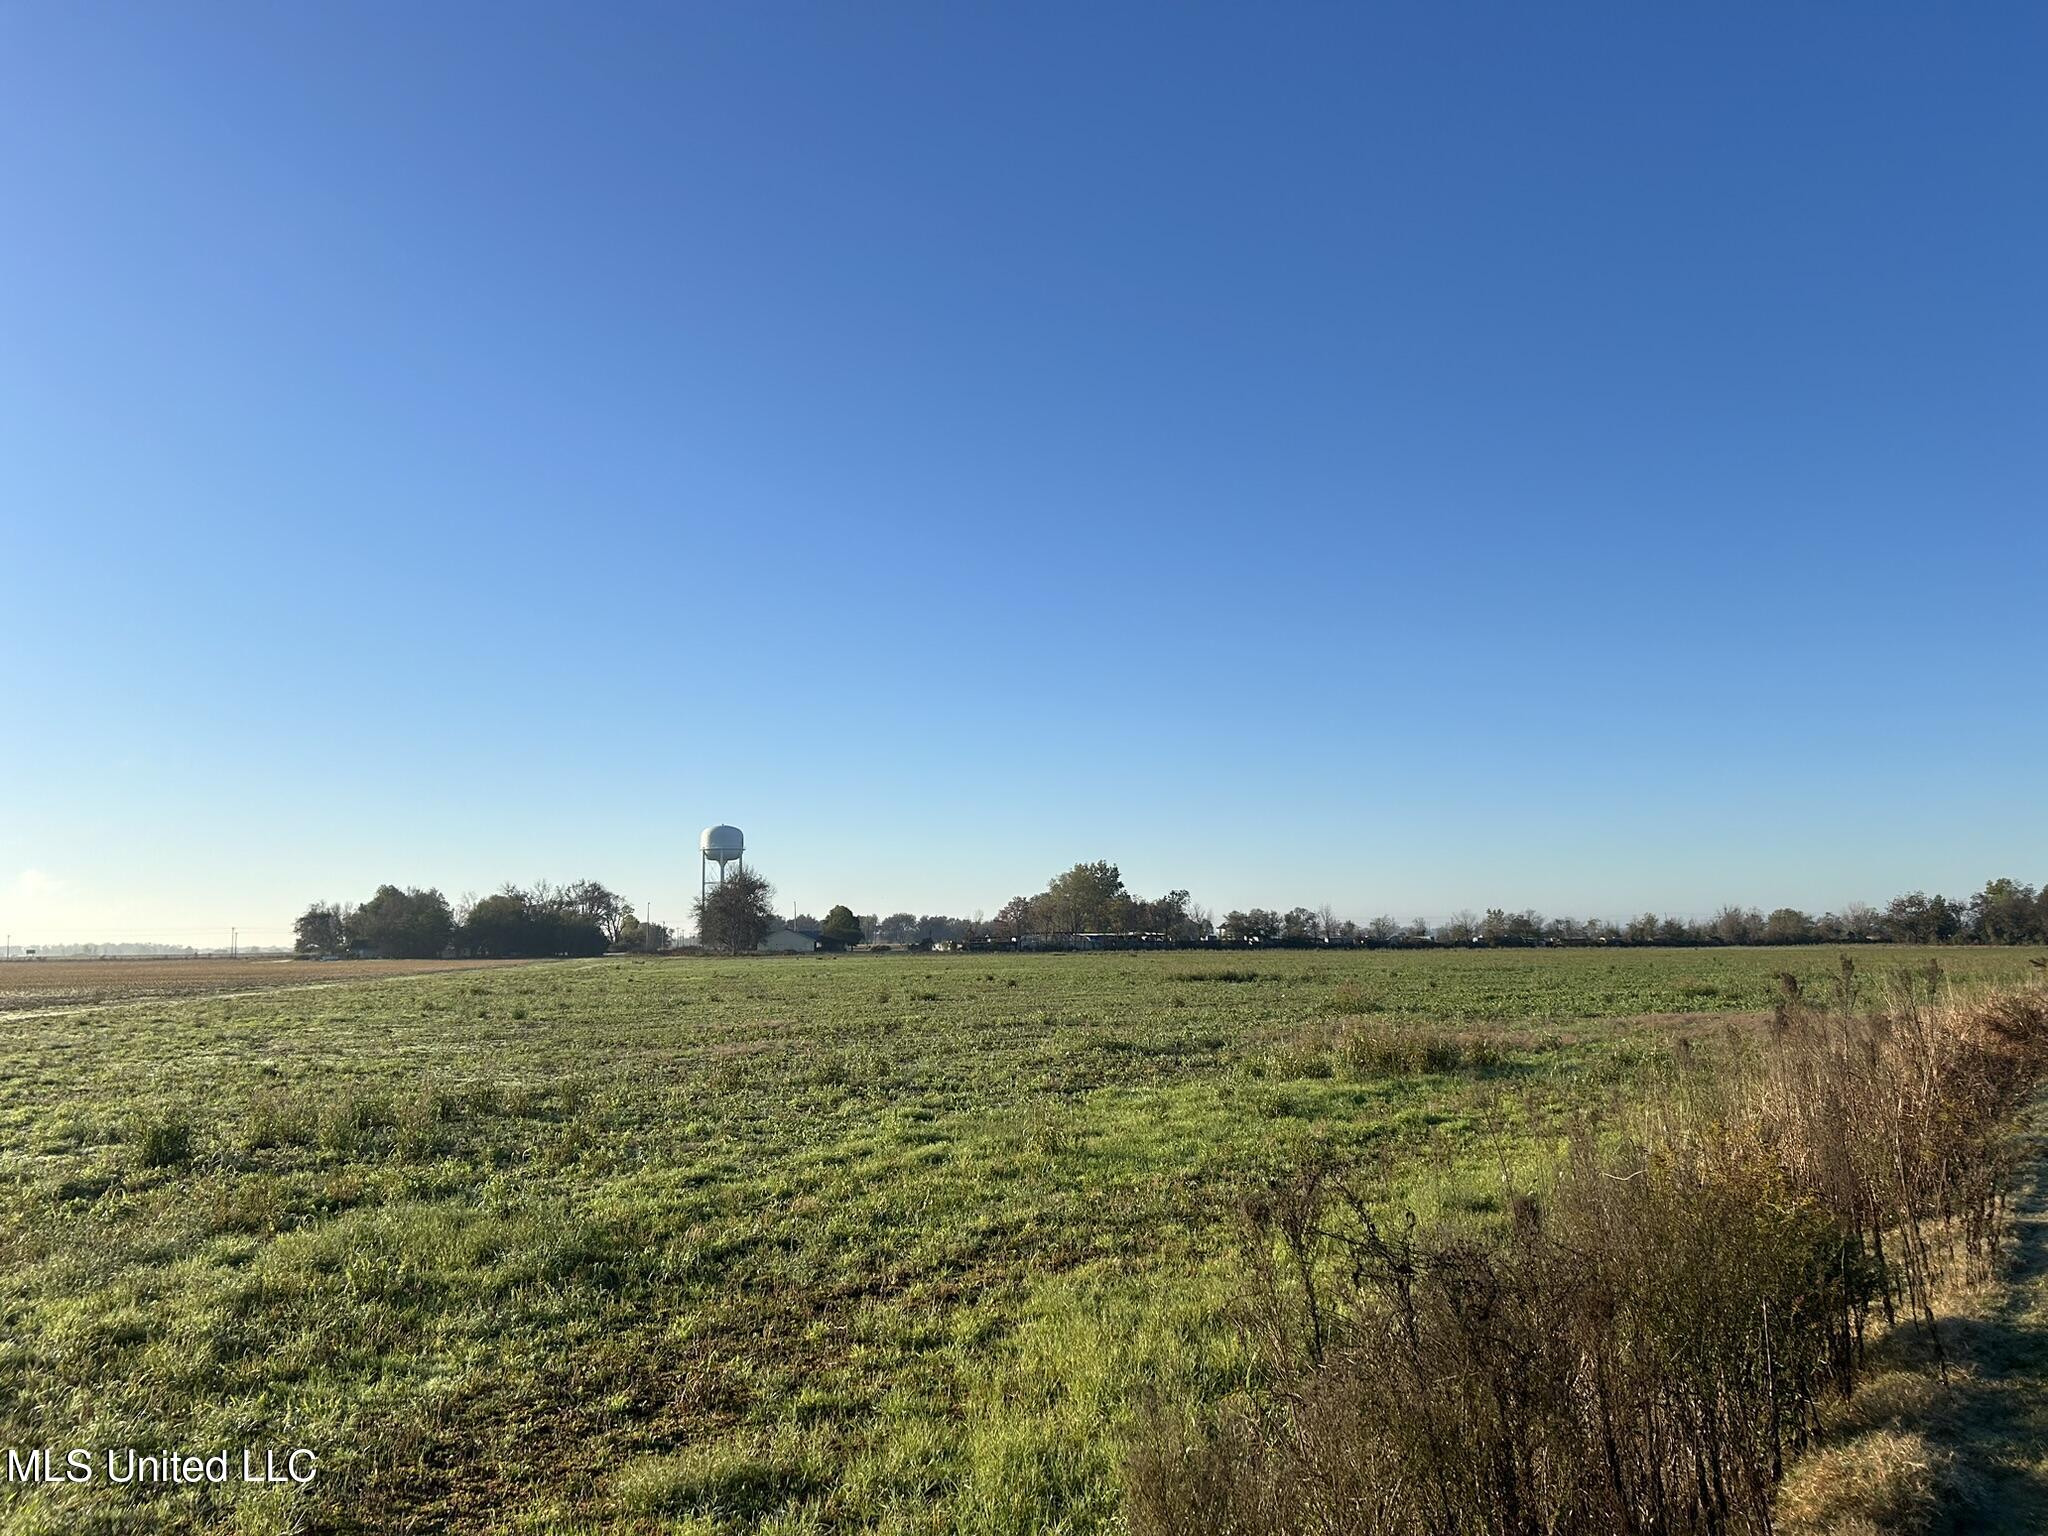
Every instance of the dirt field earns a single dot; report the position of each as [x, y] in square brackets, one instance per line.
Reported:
[33, 986]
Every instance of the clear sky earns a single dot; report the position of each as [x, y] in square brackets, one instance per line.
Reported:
[1411, 457]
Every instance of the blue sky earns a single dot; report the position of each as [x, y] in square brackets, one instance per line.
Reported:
[1409, 457]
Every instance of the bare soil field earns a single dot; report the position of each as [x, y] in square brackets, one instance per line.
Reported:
[35, 986]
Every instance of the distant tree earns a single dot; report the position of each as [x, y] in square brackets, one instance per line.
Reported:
[639, 937]
[1382, 930]
[1013, 919]
[1642, 929]
[322, 929]
[1301, 926]
[1462, 928]
[1039, 916]
[497, 926]
[570, 919]
[1788, 925]
[1257, 926]
[546, 920]
[590, 899]
[1082, 899]
[1124, 914]
[1169, 915]
[1917, 918]
[840, 929]
[803, 922]
[403, 925]
[1173, 916]
[1514, 930]
[736, 914]
[1861, 924]
[2005, 912]
[897, 928]
[936, 928]
[1733, 925]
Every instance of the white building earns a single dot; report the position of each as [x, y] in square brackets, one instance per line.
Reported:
[787, 941]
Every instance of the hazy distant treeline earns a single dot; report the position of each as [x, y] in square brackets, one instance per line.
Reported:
[2005, 911]
[1091, 899]
[130, 951]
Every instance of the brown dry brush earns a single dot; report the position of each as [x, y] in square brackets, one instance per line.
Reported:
[1649, 1340]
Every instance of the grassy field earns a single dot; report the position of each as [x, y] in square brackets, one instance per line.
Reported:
[875, 1243]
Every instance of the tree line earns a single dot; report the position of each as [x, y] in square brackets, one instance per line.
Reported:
[1090, 899]
[736, 914]
[582, 918]
[2005, 911]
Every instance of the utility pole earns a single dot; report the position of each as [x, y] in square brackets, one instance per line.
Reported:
[234, 943]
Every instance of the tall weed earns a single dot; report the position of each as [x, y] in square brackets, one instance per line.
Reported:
[1649, 1339]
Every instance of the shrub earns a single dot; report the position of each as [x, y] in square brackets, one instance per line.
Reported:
[1645, 1345]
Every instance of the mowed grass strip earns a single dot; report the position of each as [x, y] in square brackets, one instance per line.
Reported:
[874, 1243]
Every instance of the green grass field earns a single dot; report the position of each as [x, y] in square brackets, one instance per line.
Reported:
[875, 1243]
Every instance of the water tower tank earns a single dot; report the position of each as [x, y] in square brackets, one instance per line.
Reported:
[722, 844]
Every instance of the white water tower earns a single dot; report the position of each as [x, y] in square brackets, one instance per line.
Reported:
[720, 845]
